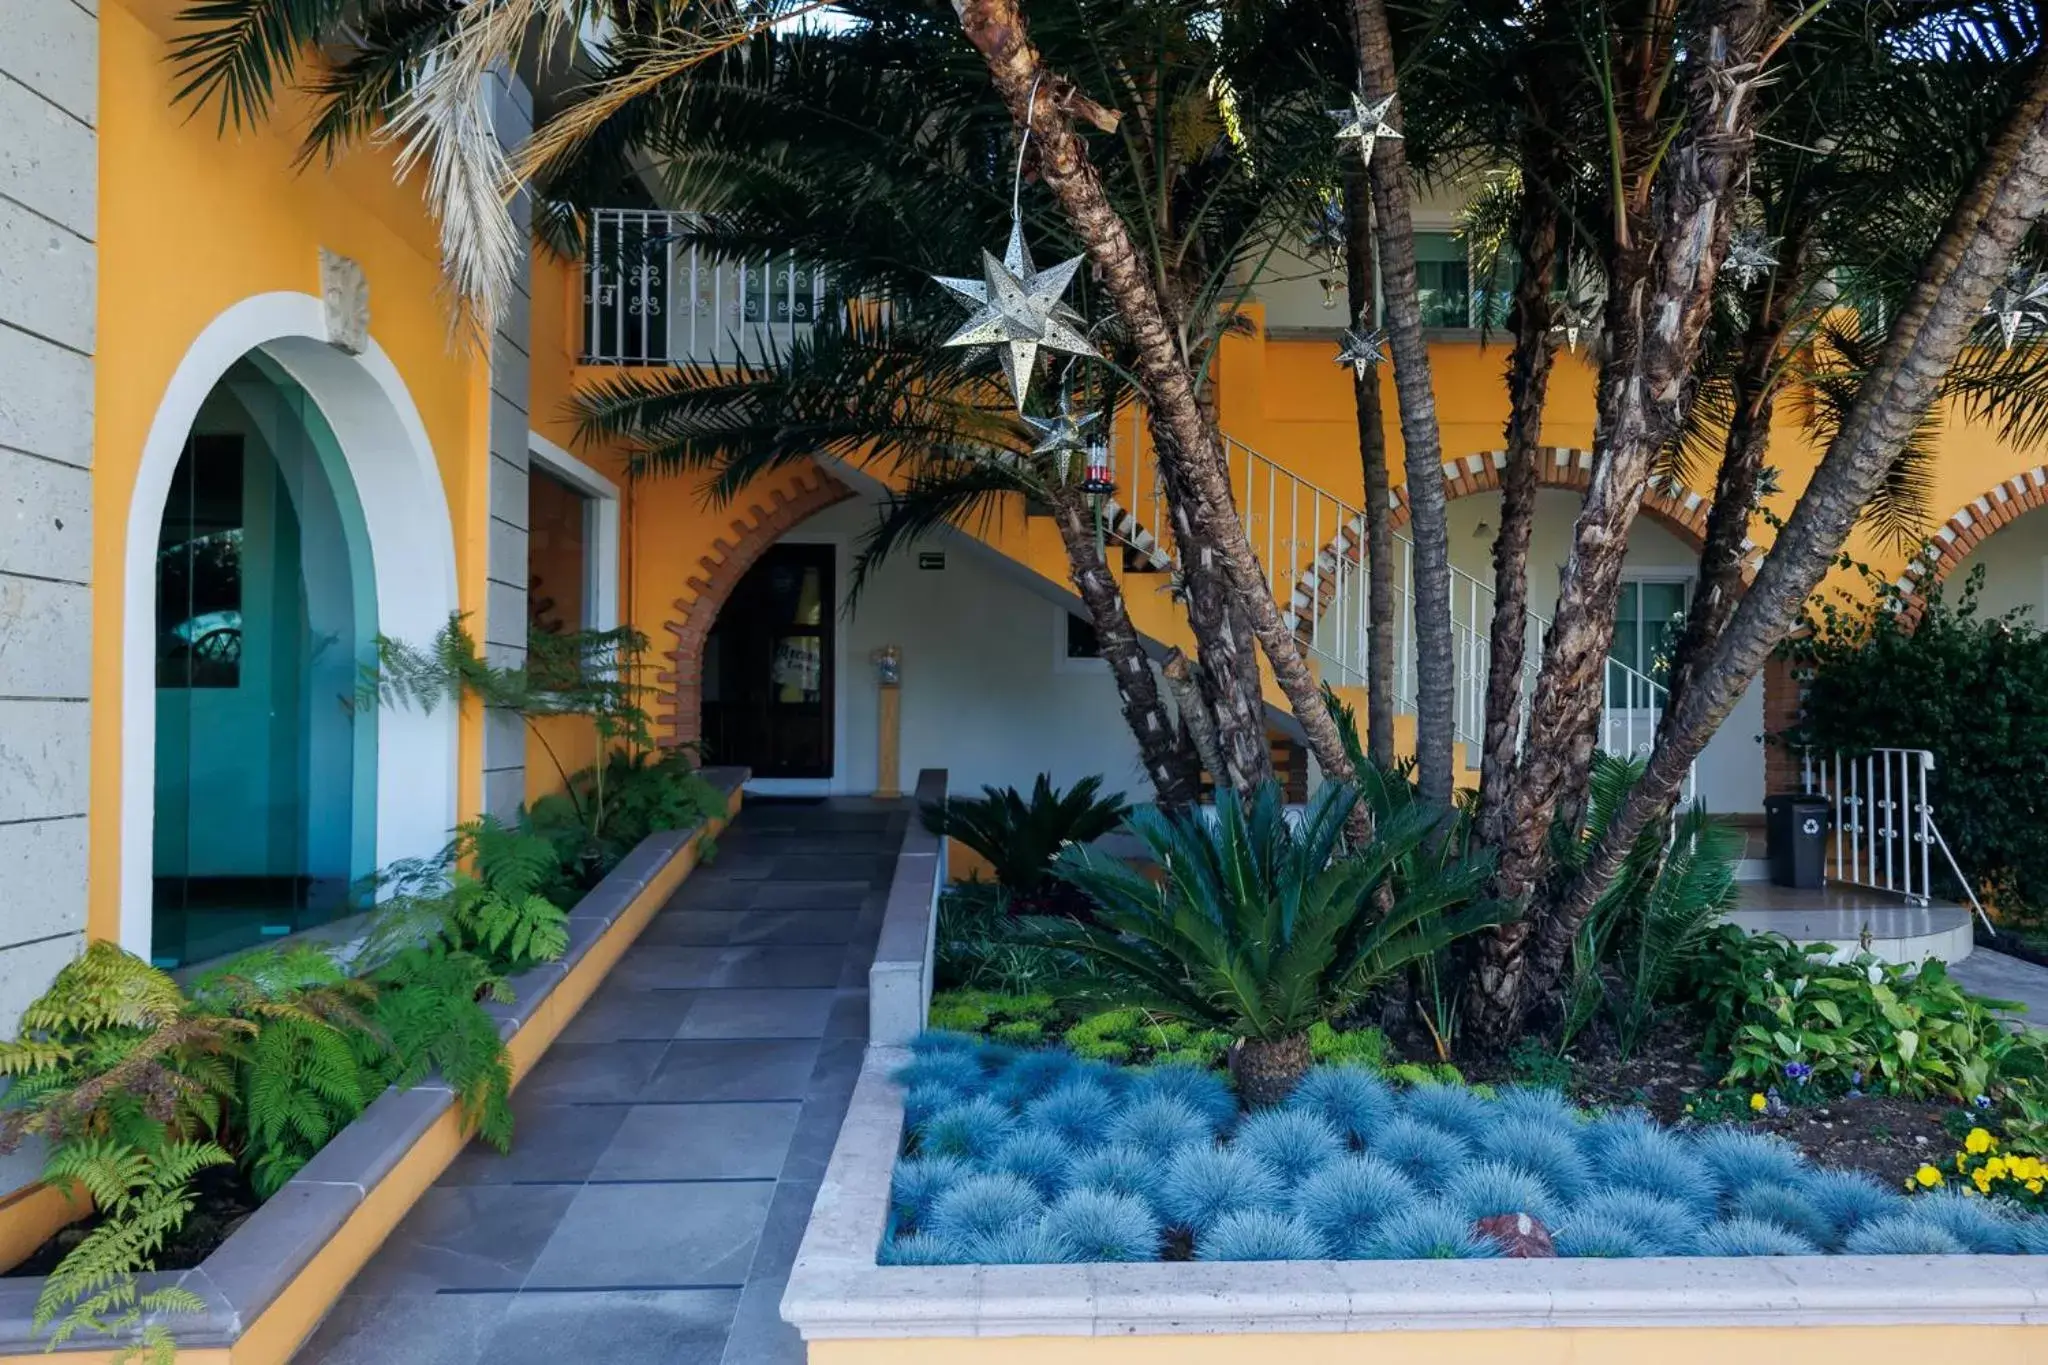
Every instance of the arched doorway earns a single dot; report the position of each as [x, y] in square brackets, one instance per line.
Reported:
[354, 540]
[265, 782]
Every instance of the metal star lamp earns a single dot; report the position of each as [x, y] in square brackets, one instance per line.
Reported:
[1062, 436]
[1751, 256]
[1362, 351]
[2021, 300]
[1364, 124]
[1585, 298]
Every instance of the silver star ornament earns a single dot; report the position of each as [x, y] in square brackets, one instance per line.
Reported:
[1062, 436]
[1362, 352]
[2021, 300]
[1017, 310]
[1364, 124]
[1578, 313]
[1751, 256]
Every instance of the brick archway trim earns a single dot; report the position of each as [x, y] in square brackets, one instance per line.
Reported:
[1680, 510]
[764, 520]
[1967, 528]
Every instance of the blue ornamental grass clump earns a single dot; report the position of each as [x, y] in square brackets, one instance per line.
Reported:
[1259, 1235]
[1102, 1225]
[1902, 1234]
[1346, 1201]
[1204, 1183]
[1351, 1099]
[1161, 1125]
[1431, 1232]
[1034, 1156]
[1425, 1154]
[1292, 1142]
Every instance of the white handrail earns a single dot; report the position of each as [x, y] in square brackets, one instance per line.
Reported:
[1884, 834]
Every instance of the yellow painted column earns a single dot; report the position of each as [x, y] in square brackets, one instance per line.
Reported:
[888, 661]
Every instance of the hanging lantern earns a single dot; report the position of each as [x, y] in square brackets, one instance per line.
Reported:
[1099, 480]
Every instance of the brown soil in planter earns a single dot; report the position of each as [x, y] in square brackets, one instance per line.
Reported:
[225, 1200]
[1886, 1136]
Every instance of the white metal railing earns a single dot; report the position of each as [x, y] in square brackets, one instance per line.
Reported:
[1884, 834]
[1312, 544]
[650, 298]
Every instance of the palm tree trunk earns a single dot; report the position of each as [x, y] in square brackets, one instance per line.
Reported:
[1421, 440]
[2008, 193]
[1163, 746]
[996, 28]
[1670, 238]
[1361, 282]
[1528, 386]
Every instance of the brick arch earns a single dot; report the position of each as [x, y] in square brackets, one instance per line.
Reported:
[1965, 529]
[761, 521]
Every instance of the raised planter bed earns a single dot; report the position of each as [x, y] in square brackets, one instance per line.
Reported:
[271, 1282]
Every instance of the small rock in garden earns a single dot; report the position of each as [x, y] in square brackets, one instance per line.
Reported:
[1519, 1235]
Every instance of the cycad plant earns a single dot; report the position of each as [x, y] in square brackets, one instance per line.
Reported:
[1263, 926]
[1020, 837]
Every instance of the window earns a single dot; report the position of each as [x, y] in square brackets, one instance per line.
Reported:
[572, 543]
[199, 568]
[1076, 646]
[1445, 287]
[1647, 622]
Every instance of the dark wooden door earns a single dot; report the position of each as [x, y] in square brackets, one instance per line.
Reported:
[769, 667]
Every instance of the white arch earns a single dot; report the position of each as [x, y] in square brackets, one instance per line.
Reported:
[412, 547]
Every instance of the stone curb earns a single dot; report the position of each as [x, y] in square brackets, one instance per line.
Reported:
[836, 1291]
[900, 980]
[250, 1270]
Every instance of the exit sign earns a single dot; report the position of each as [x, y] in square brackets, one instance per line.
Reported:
[931, 559]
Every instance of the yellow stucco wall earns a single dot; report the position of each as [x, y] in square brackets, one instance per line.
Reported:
[192, 222]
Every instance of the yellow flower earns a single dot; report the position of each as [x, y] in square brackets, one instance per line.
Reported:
[1758, 1103]
[1959, 1163]
[1982, 1181]
[1995, 1168]
[2034, 1186]
[1928, 1177]
[1978, 1141]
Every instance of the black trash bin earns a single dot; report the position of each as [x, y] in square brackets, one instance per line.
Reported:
[1796, 830]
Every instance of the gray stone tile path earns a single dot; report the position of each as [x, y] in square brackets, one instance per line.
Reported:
[669, 1145]
[2003, 977]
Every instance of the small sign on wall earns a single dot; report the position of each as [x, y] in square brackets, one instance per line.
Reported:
[931, 559]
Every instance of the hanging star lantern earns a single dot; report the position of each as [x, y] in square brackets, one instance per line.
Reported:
[1751, 256]
[2022, 299]
[1364, 124]
[1018, 310]
[1326, 229]
[1362, 351]
[1578, 313]
[1062, 436]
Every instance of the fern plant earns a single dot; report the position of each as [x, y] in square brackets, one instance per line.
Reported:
[607, 809]
[1020, 837]
[429, 1016]
[1261, 928]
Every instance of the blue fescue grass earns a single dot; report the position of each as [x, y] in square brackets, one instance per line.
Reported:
[1980, 1226]
[1484, 1189]
[971, 1129]
[921, 1104]
[1599, 1236]
[1616, 1126]
[1902, 1234]
[1542, 1148]
[1535, 1104]
[1648, 1159]
[917, 1183]
[1738, 1159]
[1024, 1244]
[1345, 1202]
[1034, 1074]
[1425, 1154]
[1452, 1108]
[1045, 1160]
[1753, 1237]
[1848, 1200]
[1161, 1125]
[955, 1070]
[1122, 1170]
[1204, 1183]
[1200, 1089]
[1079, 1112]
[1430, 1232]
[944, 1040]
[1259, 1235]
[1666, 1226]
[1105, 1226]
[1352, 1099]
[1292, 1142]
[1785, 1206]
[2032, 1234]
[983, 1205]
[920, 1249]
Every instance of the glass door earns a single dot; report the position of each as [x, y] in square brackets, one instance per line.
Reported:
[768, 667]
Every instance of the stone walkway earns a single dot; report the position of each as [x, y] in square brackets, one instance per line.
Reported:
[669, 1145]
[2003, 977]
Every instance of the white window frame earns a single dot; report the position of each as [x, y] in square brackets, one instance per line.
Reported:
[1061, 661]
[600, 529]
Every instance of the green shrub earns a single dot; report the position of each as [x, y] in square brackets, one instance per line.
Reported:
[605, 810]
[1771, 1005]
[1020, 837]
[1353, 1047]
[1132, 1035]
[979, 945]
